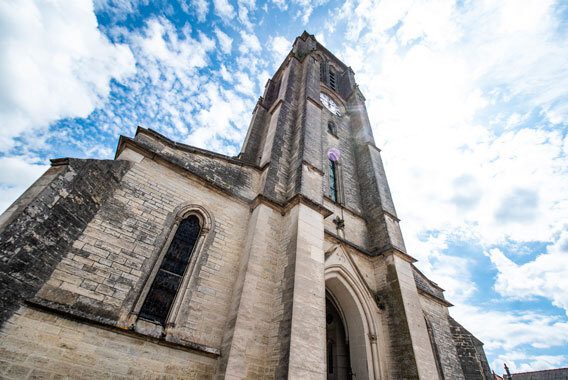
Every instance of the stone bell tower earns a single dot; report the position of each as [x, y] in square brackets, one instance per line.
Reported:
[286, 261]
[311, 136]
[341, 207]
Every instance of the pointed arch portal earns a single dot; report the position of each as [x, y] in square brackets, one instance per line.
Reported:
[346, 298]
[337, 343]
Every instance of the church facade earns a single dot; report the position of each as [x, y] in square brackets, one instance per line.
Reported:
[286, 261]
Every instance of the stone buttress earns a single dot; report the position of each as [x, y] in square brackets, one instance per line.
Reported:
[283, 230]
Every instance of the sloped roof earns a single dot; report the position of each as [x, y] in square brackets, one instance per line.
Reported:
[548, 374]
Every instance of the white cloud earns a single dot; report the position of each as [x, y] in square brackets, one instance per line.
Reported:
[509, 330]
[223, 115]
[546, 276]
[227, 77]
[450, 272]
[519, 361]
[250, 43]
[281, 4]
[244, 9]
[118, 9]
[16, 175]
[161, 43]
[224, 9]
[224, 41]
[320, 37]
[262, 79]
[432, 21]
[199, 7]
[177, 93]
[431, 85]
[245, 84]
[55, 64]
[468, 103]
[515, 336]
[279, 46]
[307, 8]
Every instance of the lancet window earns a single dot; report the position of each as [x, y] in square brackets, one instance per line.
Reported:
[166, 284]
[333, 190]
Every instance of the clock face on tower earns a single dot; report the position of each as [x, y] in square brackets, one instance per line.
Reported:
[330, 104]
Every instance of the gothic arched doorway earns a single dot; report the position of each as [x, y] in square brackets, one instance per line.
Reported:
[337, 344]
[346, 296]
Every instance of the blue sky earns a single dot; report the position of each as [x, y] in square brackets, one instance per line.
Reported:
[468, 101]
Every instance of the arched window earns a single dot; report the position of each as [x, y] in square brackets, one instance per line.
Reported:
[333, 190]
[331, 128]
[165, 286]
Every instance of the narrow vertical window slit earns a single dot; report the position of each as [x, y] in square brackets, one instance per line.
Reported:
[331, 128]
[333, 180]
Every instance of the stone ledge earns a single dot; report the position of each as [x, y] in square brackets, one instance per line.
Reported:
[344, 207]
[312, 167]
[347, 242]
[275, 105]
[284, 207]
[434, 297]
[391, 249]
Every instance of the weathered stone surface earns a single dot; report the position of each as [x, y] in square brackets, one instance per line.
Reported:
[425, 285]
[82, 247]
[470, 352]
[43, 345]
[35, 240]
[437, 318]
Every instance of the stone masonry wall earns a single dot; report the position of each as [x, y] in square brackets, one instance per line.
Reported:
[103, 273]
[80, 248]
[39, 345]
[36, 237]
[249, 345]
[355, 229]
[283, 128]
[437, 315]
[282, 300]
[225, 172]
[400, 338]
[470, 353]
[349, 186]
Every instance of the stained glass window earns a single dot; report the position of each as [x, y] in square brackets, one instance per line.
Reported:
[332, 181]
[168, 279]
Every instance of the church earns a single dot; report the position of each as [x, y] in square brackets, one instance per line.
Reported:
[286, 261]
